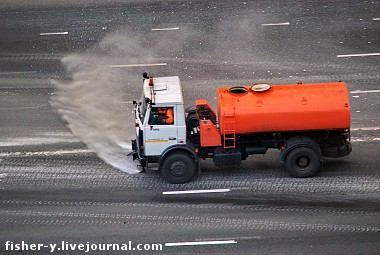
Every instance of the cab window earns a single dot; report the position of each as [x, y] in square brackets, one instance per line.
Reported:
[161, 116]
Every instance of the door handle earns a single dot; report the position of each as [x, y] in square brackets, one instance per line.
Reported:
[172, 138]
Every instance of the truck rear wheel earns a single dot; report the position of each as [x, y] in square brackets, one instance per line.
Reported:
[302, 162]
[178, 167]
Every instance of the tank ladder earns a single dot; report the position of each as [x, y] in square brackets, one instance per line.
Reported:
[229, 131]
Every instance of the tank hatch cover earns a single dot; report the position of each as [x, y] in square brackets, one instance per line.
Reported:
[260, 87]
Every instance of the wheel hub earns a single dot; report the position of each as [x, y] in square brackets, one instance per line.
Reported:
[303, 162]
[178, 169]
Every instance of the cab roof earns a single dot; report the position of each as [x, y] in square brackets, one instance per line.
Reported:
[167, 90]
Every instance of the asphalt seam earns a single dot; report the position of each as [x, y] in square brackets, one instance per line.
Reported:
[184, 221]
[286, 209]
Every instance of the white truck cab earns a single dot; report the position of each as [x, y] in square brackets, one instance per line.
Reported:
[165, 94]
[160, 123]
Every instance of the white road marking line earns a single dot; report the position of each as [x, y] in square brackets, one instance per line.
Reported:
[376, 18]
[200, 243]
[125, 102]
[231, 238]
[165, 29]
[358, 55]
[355, 96]
[358, 140]
[364, 140]
[56, 33]
[365, 91]
[45, 138]
[365, 129]
[21, 72]
[43, 153]
[138, 65]
[195, 191]
[26, 107]
[276, 24]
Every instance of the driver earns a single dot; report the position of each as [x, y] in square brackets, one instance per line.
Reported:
[162, 116]
[166, 115]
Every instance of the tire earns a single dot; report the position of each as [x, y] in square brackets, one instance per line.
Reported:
[302, 162]
[178, 167]
[191, 109]
[192, 121]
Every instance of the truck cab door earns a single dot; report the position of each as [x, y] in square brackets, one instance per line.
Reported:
[159, 132]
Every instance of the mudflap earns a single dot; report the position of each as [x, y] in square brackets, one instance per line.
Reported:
[338, 152]
[135, 155]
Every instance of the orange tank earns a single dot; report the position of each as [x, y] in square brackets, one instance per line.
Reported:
[300, 107]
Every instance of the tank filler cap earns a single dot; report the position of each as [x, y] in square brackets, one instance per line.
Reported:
[260, 87]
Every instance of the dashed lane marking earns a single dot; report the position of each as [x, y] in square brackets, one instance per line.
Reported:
[376, 19]
[365, 91]
[55, 33]
[275, 24]
[195, 191]
[165, 29]
[125, 102]
[138, 65]
[43, 153]
[366, 129]
[197, 243]
[231, 238]
[20, 72]
[364, 140]
[358, 55]
[25, 107]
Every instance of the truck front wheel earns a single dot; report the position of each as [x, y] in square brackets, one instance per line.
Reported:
[302, 162]
[178, 167]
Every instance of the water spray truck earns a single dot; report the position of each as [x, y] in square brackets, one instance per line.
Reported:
[305, 122]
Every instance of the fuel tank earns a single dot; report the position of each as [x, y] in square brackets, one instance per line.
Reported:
[281, 108]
